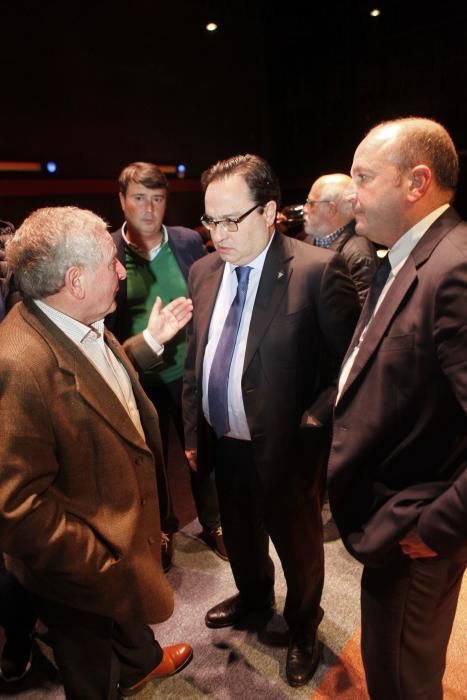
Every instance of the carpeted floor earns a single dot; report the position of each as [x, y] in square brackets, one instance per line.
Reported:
[241, 664]
[233, 664]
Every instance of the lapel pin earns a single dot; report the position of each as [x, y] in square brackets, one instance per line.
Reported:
[280, 274]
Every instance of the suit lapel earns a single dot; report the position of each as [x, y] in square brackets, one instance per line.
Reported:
[204, 304]
[91, 386]
[383, 318]
[272, 287]
[398, 291]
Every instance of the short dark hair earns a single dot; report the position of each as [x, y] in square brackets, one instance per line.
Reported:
[257, 173]
[146, 174]
[425, 141]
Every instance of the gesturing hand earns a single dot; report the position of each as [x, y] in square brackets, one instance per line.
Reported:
[165, 322]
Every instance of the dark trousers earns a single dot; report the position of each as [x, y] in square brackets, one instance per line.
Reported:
[94, 653]
[408, 610]
[167, 398]
[17, 615]
[290, 514]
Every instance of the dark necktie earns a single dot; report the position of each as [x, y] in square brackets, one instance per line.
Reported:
[379, 280]
[2, 306]
[220, 368]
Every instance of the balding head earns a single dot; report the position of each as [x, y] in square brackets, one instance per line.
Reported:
[328, 208]
[402, 171]
[413, 141]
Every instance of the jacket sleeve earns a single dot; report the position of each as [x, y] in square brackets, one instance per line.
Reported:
[338, 309]
[190, 393]
[443, 523]
[34, 522]
[141, 355]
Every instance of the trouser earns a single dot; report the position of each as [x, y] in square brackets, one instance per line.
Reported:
[17, 614]
[167, 398]
[408, 610]
[95, 653]
[290, 514]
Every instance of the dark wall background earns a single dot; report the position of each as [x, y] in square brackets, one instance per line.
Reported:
[96, 85]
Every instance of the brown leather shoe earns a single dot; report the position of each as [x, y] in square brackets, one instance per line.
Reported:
[215, 540]
[175, 658]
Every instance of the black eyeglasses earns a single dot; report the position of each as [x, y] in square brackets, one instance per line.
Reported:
[312, 202]
[229, 224]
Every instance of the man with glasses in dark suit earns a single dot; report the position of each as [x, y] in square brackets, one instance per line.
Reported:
[272, 321]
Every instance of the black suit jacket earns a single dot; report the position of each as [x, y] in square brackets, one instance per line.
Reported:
[303, 317]
[399, 452]
[360, 255]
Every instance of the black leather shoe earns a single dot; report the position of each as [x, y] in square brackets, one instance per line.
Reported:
[302, 658]
[16, 658]
[235, 609]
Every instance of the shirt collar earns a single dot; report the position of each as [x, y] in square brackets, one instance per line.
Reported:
[79, 332]
[326, 241]
[146, 254]
[406, 243]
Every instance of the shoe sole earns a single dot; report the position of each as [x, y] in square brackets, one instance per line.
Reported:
[129, 693]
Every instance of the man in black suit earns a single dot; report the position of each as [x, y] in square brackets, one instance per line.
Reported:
[259, 409]
[397, 471]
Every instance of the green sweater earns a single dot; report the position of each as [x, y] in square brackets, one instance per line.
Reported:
[146, 280]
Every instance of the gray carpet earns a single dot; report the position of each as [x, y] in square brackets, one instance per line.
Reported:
[228, 664]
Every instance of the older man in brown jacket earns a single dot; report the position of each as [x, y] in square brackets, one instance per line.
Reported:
[81, 462]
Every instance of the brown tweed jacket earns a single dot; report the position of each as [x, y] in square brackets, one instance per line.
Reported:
[79, 510]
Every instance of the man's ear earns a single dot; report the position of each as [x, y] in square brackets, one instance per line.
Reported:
[74, 281]
[270, 212]
[419, 181]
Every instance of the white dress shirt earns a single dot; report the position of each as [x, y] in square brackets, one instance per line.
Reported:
[90, 340]
[398, 255]
[237, 419]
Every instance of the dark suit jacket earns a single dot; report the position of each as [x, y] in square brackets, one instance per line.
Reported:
[79, 517]
[360, 255]
[399, 453]
[304, 314]
[186, 245]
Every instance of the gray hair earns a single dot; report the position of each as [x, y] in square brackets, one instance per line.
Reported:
[49, 242]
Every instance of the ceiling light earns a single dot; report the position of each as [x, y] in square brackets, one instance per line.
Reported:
[375, 12]
[211, 26]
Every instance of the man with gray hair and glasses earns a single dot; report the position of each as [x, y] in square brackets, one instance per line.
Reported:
[329, 223]
[81, 461]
